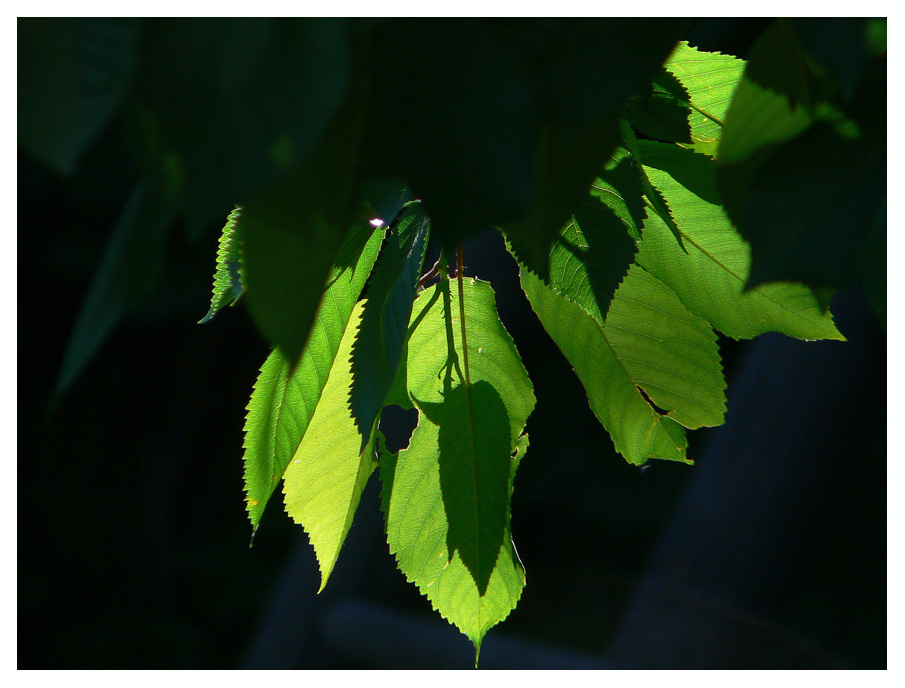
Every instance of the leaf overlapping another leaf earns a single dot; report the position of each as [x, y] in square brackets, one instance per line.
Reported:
[323, 482]
[284, 400]
[710, 279]
[379, 345]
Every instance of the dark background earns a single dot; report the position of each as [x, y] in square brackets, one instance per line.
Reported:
[132, 537]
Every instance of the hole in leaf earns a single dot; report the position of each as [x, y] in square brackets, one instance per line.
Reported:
[652, 404]
[397, 425]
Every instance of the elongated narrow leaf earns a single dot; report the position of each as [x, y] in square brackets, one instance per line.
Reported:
[283, 401]
[448, 506]
[611, 370]
[710, 279]
[379, 344]
[129, 272]
[322, 485]
[228, 287]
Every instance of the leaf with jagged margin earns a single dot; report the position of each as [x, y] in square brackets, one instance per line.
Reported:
[710, 79]
[638, 431]
[416, 491]
[653, 198]
[281, 405]
[661, 113]
[322, 485]
[594, 250]
[228, 287]
[710, 279]
[129, 272]
[378, 346]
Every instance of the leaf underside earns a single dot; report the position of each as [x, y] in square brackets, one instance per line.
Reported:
[446, 496]
[228, 286]
[284, 400]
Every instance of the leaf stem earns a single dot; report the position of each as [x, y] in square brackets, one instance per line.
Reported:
[460, 275]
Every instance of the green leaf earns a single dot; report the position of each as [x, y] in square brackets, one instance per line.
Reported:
[228, 287]
[292, 232]
[596, 248]
[710, 278]
[650, 342]
[379, 344]
[73, 74]
[129, 273]
[710, 80]
[322, 485]
[663, 112]
[579, 106]
[446, 497]
[283, 400]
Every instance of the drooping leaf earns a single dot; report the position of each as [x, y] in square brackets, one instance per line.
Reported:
[292, 233]
[649, 342]
[241, 102]
[379, 343]
[447, 504]
[710, 279]
[283, 400]
[322, 485]
[130, 271]
[228, 287]
[73, 74]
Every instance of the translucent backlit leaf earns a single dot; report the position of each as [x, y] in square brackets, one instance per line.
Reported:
[448, 506]
[228, 287]
[322, 485]
[283, 400]
[710, 279]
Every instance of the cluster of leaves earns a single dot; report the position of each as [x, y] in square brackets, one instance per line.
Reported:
[616, 160]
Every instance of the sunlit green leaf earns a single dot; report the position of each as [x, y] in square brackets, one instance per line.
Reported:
[710, 279]
[323, 482]
[283, 400]
[228, 287]
[448, 508]
[648, 342]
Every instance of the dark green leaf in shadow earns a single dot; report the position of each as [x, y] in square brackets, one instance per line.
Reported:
[242, 102]
[129, 272]
[73, 73]
[661, 113]
[456, 122]
[379, 344]
[807, 207]
[293, 233]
